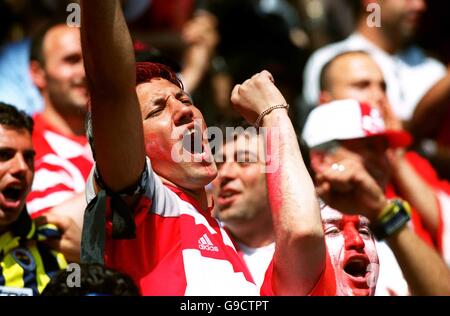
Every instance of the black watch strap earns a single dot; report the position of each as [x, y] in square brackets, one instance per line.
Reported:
[396, 214]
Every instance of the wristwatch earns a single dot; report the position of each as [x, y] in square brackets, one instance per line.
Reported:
[393, 217]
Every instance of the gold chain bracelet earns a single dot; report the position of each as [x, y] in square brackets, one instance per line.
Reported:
[268, 110]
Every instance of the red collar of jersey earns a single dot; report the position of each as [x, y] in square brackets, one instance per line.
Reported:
[41, 124]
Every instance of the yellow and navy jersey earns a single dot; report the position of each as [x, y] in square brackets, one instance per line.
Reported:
[25, 261]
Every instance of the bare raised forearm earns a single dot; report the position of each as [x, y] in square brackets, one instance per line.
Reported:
[300, 253]
[430, 111]
[299, 257]
[107, 47]
[116, 117]
[424, 270]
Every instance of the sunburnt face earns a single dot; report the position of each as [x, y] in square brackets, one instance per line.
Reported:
[175, 137]
[16, 173]
[352, 250]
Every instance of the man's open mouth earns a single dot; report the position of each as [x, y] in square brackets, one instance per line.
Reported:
[226, 197]
[193, 141]
[12, 194]
[227, 193]
[357, 266]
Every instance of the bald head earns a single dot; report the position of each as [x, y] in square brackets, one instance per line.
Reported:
[353, 75]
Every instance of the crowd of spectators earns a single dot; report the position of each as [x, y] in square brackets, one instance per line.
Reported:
[359, 203]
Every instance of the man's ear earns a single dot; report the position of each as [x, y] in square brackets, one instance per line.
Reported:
[365, 4]
[37, 74]
[325, 97]
[317, 160]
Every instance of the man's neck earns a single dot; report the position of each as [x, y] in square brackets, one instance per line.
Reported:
[253, 235]
[377, 37]
[73, 125]
[198, 195]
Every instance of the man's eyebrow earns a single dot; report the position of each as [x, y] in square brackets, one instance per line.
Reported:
[183, 94]
[6, 148]
[333, 220]
[160, 101]
[246, 152]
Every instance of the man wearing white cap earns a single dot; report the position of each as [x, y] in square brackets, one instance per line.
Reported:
[348, 142]
[355, 75]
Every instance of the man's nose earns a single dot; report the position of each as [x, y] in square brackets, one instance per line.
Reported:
[183, 113]
[82, 72]
[79, 68]
[227, 172]
[18, 165]
[377, 98]
[352, 238]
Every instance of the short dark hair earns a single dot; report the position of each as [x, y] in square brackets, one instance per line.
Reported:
[95, 280]
[11, 117]
[145, 71]
[37, 41]
[324, 80]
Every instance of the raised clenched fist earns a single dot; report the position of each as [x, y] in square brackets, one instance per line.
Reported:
[255, 95]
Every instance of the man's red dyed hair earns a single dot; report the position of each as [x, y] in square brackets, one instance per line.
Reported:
[145, 71]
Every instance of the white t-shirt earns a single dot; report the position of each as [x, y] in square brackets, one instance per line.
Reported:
[390, 277]
[257, 260]
[409, 74]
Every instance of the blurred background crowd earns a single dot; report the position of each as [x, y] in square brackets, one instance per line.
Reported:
[214, 45]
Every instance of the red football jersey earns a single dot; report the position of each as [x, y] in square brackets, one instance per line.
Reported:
[179, 249]
[62, 165]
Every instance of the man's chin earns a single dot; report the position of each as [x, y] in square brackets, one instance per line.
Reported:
[203, 172]
[362, 292]
[76, 106]
[233, 215]
[83, 105]
[349, 285]
[197, 178]
[7, 219]
[350, 290]
[79, 101]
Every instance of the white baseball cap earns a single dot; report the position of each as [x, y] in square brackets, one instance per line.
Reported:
[349, 119]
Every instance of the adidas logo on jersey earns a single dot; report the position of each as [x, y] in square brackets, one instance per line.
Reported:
[204, 243]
